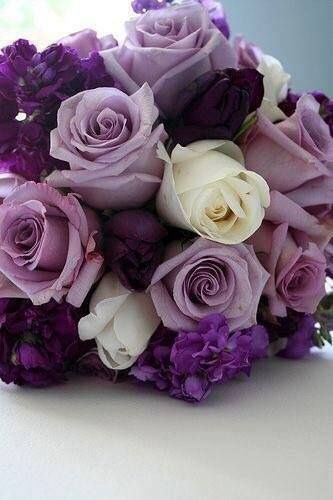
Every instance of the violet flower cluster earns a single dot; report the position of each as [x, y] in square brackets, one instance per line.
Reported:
[165, 206]
[188, 364]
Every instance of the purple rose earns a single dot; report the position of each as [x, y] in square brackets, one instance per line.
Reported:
[296, 268]
[86, 41]
[208, 278]
[289, 105]
[177, 44]
[48, 244]
[38, 344]
[134, 247]
[216, 105]
[293, 152]
[110, 142]
[248, 54]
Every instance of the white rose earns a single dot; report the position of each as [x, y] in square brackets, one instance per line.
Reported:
[120, 321]
[276, 82]
[206, 189]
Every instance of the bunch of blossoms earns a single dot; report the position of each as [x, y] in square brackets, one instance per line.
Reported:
[32, 86]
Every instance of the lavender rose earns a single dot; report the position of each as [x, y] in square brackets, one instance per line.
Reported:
[134, 247]
[86, 41]
[296, 267]
[249, 55]
[208, 278]
[293, 152]
[48, 244]
[109, 140]
[8, 182]
[177, 44]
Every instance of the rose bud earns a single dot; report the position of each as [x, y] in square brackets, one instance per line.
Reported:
[216, 105]
[134, 247]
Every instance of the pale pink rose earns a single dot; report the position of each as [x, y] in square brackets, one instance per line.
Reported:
[87, 41]
[47, 245]
[294, 152]
[296, 267]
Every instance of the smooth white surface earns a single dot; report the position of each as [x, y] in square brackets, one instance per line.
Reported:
[267, 438]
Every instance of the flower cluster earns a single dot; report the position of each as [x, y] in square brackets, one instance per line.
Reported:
[165, 205]
[188, 364]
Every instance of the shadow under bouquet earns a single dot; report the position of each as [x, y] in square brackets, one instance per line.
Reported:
[165, 206]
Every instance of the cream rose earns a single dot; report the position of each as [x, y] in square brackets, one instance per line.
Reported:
[121, 323]
[207, 189]
[276, 82]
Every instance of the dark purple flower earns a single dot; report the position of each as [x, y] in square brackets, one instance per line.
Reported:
[302, 339]
[216, 105]
[141, 6]
[188, 364]
[134, 247]
[38, 344]
[217, 15]
[288, 106]
[90, 364]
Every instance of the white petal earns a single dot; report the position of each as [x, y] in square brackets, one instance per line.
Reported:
[211, 167]
[135, 323]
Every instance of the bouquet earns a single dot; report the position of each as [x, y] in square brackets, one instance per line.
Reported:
[166, 206]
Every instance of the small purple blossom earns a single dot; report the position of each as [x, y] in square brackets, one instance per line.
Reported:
[141, 6]
[189, 364]
[38, 344]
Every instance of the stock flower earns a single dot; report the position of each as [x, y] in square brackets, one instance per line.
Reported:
[109, 140]
[48, 244]
[177, 44]
[38, 344]
[187, 364]
[121, 322]
[134, 247]
[207, 190]
[206, 278]
[296, 267]
[216, 105]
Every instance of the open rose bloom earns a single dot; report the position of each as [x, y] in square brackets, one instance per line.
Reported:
[166, 205]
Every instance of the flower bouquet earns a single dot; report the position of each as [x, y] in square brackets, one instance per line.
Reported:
[166, 206]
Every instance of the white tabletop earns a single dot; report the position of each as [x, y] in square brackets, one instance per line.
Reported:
[266, 438]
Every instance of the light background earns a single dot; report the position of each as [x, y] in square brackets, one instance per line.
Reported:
[298, 32]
